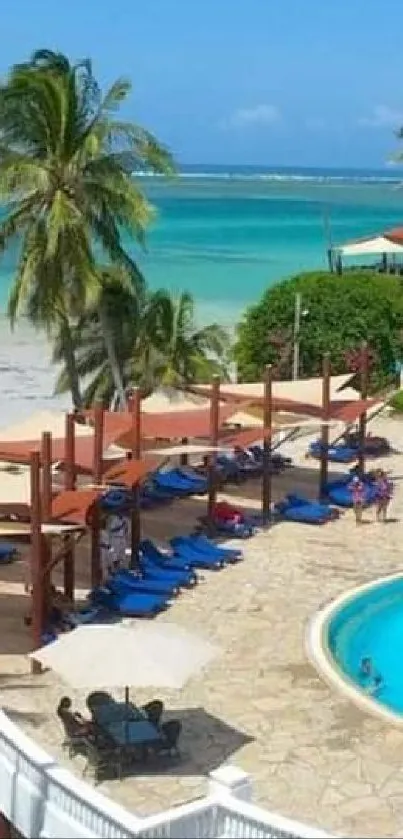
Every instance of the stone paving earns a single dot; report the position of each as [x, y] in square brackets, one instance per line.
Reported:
[313, 755]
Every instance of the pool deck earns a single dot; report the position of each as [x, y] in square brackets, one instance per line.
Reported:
[312, 753]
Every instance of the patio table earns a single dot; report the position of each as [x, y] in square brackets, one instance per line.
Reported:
[113, 711]
[132, 732]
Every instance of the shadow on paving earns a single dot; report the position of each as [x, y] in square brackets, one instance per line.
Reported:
[205, 743]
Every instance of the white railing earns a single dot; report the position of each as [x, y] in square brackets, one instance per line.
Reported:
[41, 799]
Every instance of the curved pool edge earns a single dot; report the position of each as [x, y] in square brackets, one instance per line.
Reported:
[320, 655]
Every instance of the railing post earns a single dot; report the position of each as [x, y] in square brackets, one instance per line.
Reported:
[230, 781]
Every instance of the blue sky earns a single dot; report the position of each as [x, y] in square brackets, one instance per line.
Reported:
[282, 82]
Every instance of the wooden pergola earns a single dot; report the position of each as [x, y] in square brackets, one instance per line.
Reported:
[78, 507]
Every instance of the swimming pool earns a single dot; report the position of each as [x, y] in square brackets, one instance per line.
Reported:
[367, 622]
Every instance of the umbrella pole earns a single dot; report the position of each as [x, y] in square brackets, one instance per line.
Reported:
[267, 431]
[324, 455]
[96, 573]
[69, 484]
[214, 429]
[135, 523]
[362, 428]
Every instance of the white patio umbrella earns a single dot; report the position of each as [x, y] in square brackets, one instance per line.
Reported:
[132, 653]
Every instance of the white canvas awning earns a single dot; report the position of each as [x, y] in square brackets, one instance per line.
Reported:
[308, 391]
[375, 245]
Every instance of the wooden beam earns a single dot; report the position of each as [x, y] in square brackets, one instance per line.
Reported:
[267, 435]
[96, 570]
[98, 442]
[362, 423]
[135, 521]
[46, 455]
[38, 589]
[214, 434]
[46, 501]
[69, 484]
[324, 455]
[69, 453]
[184, 458]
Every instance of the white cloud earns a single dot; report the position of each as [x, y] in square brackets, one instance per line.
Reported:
[259, 115]
[383, 117]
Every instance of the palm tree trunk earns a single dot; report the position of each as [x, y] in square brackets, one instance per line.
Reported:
[112, 358]
[70, 361]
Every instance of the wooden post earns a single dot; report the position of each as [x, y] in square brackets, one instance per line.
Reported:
[38, 590]
[324, 455]
[362, 427]
[214, 432]
[267, 435]
[46, 456]
[69, 484]
[5, 827]
[98, 442]
[135, 523]
[96, 571]
[46, 515]
[184, 458]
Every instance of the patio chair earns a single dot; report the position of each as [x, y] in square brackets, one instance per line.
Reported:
[97, 698]
[75, 729]
[171, 732]
[102, 757]
[153, 711]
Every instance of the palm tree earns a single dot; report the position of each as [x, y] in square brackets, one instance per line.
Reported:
[154, 338]
[66, 166]
[188, 354]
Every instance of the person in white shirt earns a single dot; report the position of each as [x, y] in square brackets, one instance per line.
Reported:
[118, 532]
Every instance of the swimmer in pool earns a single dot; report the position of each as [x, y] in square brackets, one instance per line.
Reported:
[377, 684]
[367, 671]
[366, 667]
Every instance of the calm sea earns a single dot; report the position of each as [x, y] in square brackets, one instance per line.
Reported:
[225, 235]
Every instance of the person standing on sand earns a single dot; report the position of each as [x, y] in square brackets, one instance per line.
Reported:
[384, 493]
[358, 494]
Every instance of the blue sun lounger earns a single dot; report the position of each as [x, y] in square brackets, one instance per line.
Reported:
[132, 604]
[8, 552]
[337, 454]
[181, 577]
[178, 484]
[339, 492]
[299, 509]
[123, 579]
[194, 557]
[166, 561]
[203, 542]
[206, 548]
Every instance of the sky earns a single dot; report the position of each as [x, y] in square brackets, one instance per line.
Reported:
[270, 82]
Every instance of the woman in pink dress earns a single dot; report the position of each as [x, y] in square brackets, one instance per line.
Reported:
[384, 492]
[358, 494]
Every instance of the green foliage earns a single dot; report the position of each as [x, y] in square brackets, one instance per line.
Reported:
[155, 338]
[66, 166]
[396, 402]
[343, 311]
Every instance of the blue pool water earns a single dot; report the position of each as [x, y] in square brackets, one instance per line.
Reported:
[372, 625]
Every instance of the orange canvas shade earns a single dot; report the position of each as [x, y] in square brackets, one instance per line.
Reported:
[130, 473]
[340, 409]
[75, 506]
[19, 451]
[171, 425]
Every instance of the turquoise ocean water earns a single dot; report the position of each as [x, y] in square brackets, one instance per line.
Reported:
[226, 234]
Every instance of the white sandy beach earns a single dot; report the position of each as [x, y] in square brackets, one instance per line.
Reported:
[313, 755]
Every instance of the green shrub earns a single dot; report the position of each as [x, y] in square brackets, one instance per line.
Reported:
[396, 402]
[342, 312]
